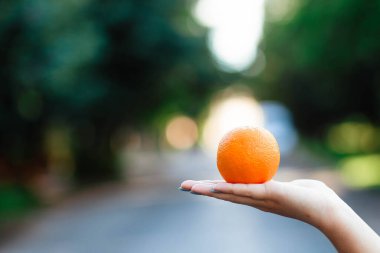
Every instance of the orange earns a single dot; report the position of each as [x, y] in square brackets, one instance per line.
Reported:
[248, 155]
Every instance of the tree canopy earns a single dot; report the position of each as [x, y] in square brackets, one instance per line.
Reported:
[323, 62]
[94, 66]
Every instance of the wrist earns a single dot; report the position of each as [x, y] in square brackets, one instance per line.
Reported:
[346, 230]
[333, 215]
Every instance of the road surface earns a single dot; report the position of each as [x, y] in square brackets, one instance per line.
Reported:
[148, 214]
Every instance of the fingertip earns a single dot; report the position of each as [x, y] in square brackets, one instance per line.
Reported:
[183, 189]
[202, 189]
[187, 182]
[186, 185]
[195, 188]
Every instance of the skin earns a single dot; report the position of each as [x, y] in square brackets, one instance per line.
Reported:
[310, 201]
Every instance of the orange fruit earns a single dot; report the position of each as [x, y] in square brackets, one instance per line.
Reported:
[248, 155]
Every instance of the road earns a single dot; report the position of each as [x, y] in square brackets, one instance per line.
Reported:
[148, 214]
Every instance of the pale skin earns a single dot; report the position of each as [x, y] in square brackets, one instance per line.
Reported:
[310, 201]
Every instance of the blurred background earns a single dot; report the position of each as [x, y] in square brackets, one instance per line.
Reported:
[106, 106]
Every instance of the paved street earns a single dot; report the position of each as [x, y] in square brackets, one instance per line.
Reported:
[149, 214]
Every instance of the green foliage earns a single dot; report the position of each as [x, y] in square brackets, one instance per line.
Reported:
[14, 200]
[324, 63]
[94, 66]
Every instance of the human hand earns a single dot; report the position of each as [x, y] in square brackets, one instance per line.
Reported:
[307, 200]
[310, 201]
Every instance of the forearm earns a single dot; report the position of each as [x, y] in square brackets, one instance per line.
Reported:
[348, 232]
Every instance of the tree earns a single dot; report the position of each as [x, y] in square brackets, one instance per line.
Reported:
[323, 63]
[95, 66]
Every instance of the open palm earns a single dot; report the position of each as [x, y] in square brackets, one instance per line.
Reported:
[310, 201]
[306, 200]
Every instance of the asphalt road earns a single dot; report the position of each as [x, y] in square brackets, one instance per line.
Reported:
[148, 214]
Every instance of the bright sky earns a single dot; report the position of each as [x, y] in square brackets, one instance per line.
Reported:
[235, 30]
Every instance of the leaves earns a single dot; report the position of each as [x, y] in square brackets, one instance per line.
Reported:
[323, 62]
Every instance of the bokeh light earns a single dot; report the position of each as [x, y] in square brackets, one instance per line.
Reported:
[281, 10]
[181, 132]
[227, 112]
[361, 171]
[236, 28]
[279, 122]
[353, 137]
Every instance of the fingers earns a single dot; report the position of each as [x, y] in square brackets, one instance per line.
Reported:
[264, 191]
[188, 184]
[261, 196]
[207, 189]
